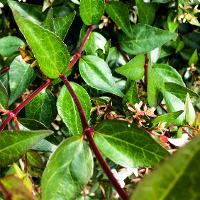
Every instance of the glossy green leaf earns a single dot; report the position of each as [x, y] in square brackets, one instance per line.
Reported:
[134, 69]
[31, 12]
[91, 11]
[42, 108]
[158, 75]
[144, 39]
[67, 108]
[131, 95]
[49, 50]
[179, 90]
[127, 145]
[20, 76]
[95, 41]
[168, 117]
[69, 169]
[15, 143]
[174, 177]
[58, 25]
[119, 13]
[16, 189]
[189, 111]
[146, 12]
[97, 74]
[4, 96]
[9, 45]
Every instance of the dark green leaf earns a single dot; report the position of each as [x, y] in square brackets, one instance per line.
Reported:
[4, 96]
[134, 69]
[145, 38]
[127, 145]
[158, 75]
[20, 76]
[15, 143]
[97, 74]
[119, 13]
[34, 159]
[91, 11]
[171, 180]
[42, 108]
[168, 118]
[179, 90]
[50, 52]
[131, 95]
[69, 169]
[9, 45]
[146, 12]
[67, 108]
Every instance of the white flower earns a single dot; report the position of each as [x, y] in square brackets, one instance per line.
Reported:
[179, 142]
[1, 6]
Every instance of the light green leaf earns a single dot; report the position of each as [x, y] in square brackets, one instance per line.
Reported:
[69, 169]
[190, 114]
[119, 13]
[127, 145]
[15, 143]
[9, 45]
[131, 95]
[91, 11]
[42, 108]
[20, 76]
[146, 12]
[194, 58]
[97, 74]
[67, 108]
[134, 69]
[173, 177]
[158, 75]
[50, 52]
[4, 96]
[144, 39]
[58, 25]
[179, 90]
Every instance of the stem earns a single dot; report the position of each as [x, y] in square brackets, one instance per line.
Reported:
[4, 70]
[13, 113]
[146, 71]
[122, 52]
[76, 101]
[88, 132]
[78, 54]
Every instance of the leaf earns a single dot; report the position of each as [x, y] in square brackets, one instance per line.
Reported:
[97, 74]
[131, 95]
[31, 12]
[166, 74]
[16, 189]
[42, 108]
[146, 12]
[194, 58]
[144, 39]
[171, 179]
[189, 111]
[69, 169]
[9, 45]
[50, 52]
[127, 145]
[15, 143]
[134, 69]
[168, 118]
[91, 11]
[67, 108]
[4, 96]
[119, 13]
[20, 77]
[95, 41]
[179, 91]
[58, 25]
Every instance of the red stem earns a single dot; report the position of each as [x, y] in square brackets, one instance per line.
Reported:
[13, 113]
[4, 70]
[88, 132]
[78, 54]
[146, 71]
[122, 52]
